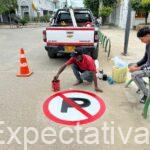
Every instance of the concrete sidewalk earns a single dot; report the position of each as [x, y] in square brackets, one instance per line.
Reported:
[28, 25]
[136, 50]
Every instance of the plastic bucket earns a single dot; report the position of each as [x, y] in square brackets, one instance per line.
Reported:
[56, 85]
[119, 75]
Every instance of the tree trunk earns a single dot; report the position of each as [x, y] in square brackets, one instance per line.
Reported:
[146, 17]
[1, 16]
[10, 19]
[104, 19]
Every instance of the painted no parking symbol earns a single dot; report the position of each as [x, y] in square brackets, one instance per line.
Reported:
[74, 107]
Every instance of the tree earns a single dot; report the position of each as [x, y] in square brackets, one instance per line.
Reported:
[105, 11]
[93, 5]
[3, 8]
[141, 5]
[107, 7]
[8, 5]
[146, 5]
[110, 3]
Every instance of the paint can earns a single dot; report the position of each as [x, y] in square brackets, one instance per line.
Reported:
[56, 85]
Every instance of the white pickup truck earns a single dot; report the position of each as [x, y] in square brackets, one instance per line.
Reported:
[65, 33]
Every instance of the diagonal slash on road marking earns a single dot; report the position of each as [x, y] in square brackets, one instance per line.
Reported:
[75, 105]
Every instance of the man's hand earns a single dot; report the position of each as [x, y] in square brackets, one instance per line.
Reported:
[98, 89]
[56, 78]
[134, 68]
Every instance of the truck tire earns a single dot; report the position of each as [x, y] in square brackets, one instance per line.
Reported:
[95, 52]
[51, 54]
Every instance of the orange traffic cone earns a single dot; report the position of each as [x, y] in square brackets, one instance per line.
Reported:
[24, 69]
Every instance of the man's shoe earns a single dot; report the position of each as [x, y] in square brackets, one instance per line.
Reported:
[143, 99]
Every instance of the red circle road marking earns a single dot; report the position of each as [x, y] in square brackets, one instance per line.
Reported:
[76, 106]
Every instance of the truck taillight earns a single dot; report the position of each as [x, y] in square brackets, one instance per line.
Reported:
[96, 37]
[44, 35]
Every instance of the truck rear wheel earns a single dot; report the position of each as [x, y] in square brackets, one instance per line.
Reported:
[51, 54]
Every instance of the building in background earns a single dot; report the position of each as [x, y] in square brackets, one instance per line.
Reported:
[119, 16]
[74, 3]
[30, 8]
[77, 3]
[24, 8]
[62, 3]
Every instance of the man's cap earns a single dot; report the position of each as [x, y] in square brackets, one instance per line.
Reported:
[78, 51]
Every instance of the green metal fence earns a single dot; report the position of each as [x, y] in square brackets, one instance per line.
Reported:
[105, 42]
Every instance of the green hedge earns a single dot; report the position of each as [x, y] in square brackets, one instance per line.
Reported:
[44, 18]
[106, 11]
[24, 20]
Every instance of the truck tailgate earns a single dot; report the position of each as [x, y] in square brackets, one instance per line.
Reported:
[74, 36]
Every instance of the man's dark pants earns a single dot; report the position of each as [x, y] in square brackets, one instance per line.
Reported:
[82, 74]
[137, 77]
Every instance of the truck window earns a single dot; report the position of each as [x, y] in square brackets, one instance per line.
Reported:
[64, 17]
[81, 18]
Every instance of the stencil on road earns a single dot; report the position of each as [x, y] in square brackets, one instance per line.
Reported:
[74, 107]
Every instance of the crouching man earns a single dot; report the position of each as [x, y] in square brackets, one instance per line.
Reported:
[142, 68]
[83, 67]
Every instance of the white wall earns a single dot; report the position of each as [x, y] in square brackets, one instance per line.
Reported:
[115, 16]
[40, 5]
[77, 3]
[119, 16]
[123, 14]
[74, 3]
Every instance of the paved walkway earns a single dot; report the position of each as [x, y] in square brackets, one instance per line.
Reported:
[136, 50]
[29, 25]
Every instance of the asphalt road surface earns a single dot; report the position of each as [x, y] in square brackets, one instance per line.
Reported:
[21, 103]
